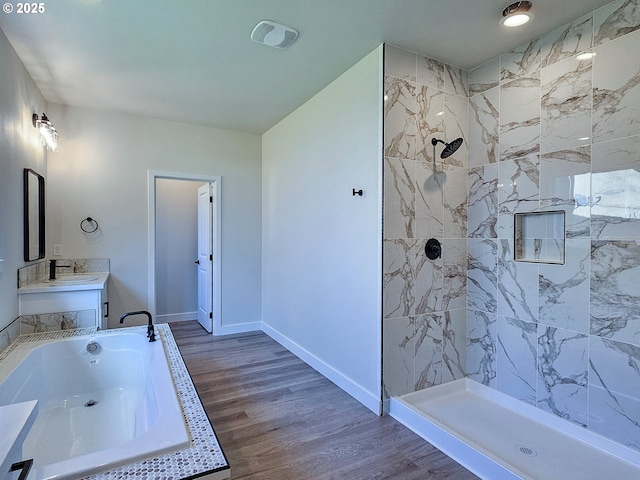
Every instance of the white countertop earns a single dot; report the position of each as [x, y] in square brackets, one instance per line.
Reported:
[50, 286]
[15, 421]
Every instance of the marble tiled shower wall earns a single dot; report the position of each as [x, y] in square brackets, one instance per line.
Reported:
[425, 301]
[545, 131]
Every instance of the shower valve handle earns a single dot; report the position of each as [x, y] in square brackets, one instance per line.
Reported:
[433, 249]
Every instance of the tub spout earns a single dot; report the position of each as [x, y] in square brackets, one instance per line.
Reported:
[150, 332]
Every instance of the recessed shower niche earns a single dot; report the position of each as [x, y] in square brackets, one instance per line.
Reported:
[539, 237]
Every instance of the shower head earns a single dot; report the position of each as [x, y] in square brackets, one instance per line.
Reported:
[449, 148]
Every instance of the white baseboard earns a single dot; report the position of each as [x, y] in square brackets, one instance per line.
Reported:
[175, 317]
[368, 399]
[239, 328]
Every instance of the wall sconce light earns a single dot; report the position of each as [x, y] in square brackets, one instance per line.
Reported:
[516, 14]
[48, 132]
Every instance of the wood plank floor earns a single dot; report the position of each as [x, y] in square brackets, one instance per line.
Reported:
[276, 418]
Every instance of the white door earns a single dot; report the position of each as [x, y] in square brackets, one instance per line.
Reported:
[205, 257]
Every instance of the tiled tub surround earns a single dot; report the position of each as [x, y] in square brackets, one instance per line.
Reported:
[45, 322]
[204, 459]
[546, 132]
[9, 334]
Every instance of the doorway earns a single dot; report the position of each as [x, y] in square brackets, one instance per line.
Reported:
[173, 263]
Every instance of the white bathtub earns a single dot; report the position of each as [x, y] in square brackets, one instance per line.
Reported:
[95, 410]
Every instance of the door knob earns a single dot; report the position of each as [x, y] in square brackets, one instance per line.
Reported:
[198, 262]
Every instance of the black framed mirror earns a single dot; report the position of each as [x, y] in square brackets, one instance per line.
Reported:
[34, 248]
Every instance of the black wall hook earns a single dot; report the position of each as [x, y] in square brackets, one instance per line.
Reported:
[357, 192]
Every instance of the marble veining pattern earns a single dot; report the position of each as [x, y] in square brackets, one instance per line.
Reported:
[518, 191]
[429, 281]
[429, 120]
[562, 373]
[456, 125]
[429, 209]
[565, 185]
[456, 80]
[454, 262]
[615, 183]
[614, 390]
[481, 347]
[518, 286]
[47, 322]
[454, 345]
[398, 355]
[564, 288]
[545, 132]
[616, 88]
[615, 20]
[568, 40]
[482, 209]
[566, 104]
[615, 290]
[484, 77]
[38, 271]
[521, 61]
[482, 275]
[32, 273]
[517, 358]
[520, 117]
[484, 128]
[398, 278]
[399, 198]
[454, 200]
[428, 351]
[9, 334]
[400, 63]
[430, 72]
[400, 109]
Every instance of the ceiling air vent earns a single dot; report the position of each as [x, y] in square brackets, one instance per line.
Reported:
[273, 34]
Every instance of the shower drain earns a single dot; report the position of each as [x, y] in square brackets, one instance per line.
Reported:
[529, 452]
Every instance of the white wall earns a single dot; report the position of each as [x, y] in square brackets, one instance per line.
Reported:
[101, 170]
[321, 245]
[19, 149]
[176, 249]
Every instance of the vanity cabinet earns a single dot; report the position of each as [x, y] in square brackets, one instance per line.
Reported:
[43, 298]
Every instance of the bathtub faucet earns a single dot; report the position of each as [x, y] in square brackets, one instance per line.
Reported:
[150, 333]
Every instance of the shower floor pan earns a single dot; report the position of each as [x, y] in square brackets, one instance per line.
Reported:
[500, 438]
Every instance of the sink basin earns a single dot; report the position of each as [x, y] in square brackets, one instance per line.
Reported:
[78, 278]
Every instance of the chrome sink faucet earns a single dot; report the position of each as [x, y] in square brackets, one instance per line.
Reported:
[52, 268]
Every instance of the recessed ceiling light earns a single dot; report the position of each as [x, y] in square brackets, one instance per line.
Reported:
[516, 14]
